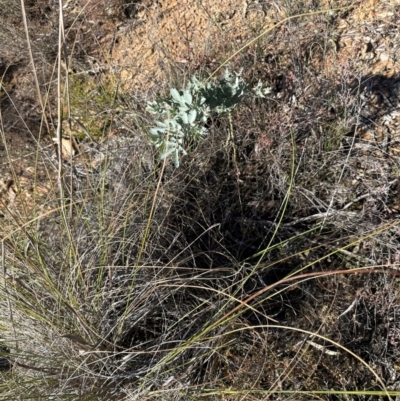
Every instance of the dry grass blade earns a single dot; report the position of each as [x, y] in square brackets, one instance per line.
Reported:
[38, 90]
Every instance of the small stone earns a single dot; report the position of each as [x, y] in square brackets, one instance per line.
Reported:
[384, 57]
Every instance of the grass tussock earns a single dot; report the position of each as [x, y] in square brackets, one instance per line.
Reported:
[264, 267]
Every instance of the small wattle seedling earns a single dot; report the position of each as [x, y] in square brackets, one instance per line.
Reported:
[184, 113]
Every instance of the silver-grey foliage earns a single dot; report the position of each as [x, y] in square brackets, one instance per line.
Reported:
[184, 113]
